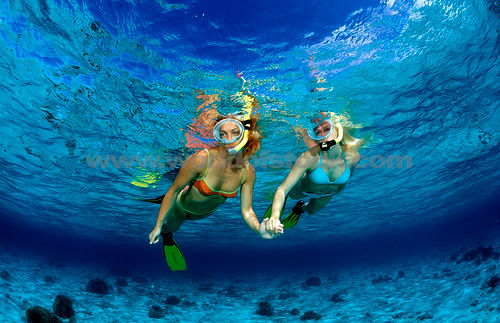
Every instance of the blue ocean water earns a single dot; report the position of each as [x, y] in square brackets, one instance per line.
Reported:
[83, 80]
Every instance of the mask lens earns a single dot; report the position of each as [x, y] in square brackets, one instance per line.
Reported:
[228, 131]
[320, 130]
[229, 134]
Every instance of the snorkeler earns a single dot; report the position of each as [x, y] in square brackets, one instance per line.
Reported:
[209, 177]
[319, 173]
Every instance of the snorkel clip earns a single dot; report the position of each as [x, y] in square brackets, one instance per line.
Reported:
[326, 145]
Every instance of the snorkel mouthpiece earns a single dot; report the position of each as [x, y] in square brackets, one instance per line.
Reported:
[326, 145]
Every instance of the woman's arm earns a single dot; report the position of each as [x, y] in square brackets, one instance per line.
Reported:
[298, 170]
[191, 168]
[247, 211]
[246, 201]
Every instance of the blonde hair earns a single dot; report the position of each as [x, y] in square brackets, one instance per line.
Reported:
[349, 141]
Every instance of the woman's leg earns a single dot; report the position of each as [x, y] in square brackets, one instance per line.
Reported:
[296, 191]
[176, 216]
[316, 204]
[179, 214]
[174, 221]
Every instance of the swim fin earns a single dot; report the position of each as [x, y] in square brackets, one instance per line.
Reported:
[172, 252]
[156, 200]
[269, 210]
[291, 220]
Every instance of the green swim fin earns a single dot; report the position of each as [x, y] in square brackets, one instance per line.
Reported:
[156, 200]
[172, 252]
[291, 220]
[269, 210]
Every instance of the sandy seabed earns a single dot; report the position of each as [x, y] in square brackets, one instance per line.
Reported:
[455, 287]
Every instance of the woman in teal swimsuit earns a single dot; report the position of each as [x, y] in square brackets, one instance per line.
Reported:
[318, 173]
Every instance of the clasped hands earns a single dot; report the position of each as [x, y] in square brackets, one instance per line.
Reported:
[270, 228]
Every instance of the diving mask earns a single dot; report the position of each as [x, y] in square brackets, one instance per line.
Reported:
[321, 128]
[228, 131]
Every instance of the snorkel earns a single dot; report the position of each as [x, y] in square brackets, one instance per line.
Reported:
[242, 144]
[240, 118]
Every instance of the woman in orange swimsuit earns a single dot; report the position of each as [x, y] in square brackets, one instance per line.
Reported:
[207, 178]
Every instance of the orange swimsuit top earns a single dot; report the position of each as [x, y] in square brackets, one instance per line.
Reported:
[206, 189]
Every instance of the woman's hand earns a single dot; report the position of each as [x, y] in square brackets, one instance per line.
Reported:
[154, 236]
[270, 228]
